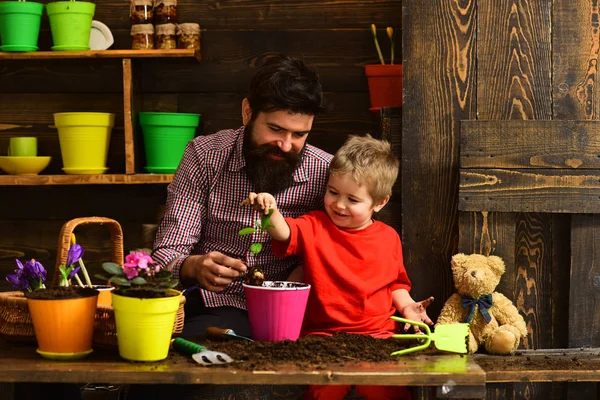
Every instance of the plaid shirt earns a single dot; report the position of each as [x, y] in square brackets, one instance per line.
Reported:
[203, 212]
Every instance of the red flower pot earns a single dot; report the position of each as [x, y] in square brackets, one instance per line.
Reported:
[385, 85]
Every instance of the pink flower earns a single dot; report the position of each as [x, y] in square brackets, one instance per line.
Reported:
[130, 272]
[138, 259]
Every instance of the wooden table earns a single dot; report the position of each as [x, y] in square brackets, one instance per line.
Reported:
[20, 363]
[452, 375]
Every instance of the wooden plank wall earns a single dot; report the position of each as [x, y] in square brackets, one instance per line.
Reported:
[237, 35]
[500, 60]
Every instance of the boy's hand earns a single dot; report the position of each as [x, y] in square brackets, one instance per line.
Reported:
[417, 312]
[261, 202]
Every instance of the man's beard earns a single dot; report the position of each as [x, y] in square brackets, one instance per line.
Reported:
[265, 173]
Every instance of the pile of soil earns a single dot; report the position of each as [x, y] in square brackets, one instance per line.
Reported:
[556, 362]
[66, 292]
[314, 352]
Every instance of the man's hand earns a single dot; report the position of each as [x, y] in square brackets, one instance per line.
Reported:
[213, 271]
[261, 201]
[417, 312]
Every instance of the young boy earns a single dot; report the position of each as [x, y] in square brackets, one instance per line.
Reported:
[353, 263]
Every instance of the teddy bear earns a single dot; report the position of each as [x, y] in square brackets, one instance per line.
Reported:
[494, 322]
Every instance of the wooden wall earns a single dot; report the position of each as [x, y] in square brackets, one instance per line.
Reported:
[500, 60]
[236, 36]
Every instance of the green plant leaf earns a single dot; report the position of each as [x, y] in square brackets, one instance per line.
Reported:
[119, 281]
[255, 248]
[246, 231]
[163, 274]
[112, 268]
[265, 221]
[138, 280]
[101, 277]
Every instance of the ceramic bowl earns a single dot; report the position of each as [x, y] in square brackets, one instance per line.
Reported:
[24, 165]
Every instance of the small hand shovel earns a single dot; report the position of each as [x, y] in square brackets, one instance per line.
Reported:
[449, 337]
[200, 354]
[212, 332]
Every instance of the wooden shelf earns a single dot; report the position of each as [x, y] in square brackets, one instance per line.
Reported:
[130, 110]
[57, 55]
[108, 179]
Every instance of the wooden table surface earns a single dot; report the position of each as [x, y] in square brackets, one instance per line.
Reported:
[21, 363]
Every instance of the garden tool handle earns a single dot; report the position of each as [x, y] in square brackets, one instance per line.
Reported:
[186, 347]
[212, 332]
[411, 322]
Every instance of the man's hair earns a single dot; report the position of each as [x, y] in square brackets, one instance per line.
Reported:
[371, 163]
[286, 83]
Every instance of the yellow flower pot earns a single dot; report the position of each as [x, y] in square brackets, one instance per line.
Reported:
[145, 326]
[84, 140]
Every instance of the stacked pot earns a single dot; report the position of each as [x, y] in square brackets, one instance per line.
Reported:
[70, 25]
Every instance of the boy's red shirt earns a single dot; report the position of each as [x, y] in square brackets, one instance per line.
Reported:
[352, 274]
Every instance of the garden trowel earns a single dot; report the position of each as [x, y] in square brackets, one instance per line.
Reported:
[212, 332]
[199, 353]
[449, 337]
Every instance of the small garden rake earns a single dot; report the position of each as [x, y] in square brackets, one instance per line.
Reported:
[449, 337]
[200, 354]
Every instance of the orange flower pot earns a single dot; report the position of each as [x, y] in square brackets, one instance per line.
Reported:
[63, 327]
[385, 85]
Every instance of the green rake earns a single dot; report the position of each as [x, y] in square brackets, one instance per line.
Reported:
[448, 337]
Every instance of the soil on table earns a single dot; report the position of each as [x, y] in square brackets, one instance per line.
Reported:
[525, 362]
[314, 352]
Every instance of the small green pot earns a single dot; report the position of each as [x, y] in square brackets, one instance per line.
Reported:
[20, 25]
[71, 24]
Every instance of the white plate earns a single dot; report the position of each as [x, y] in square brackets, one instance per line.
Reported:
[101, 37]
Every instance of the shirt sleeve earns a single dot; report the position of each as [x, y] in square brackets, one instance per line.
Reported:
[302, 233]
[402, 282]
[185, 210]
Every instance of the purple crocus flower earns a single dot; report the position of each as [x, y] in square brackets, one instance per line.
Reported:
[17, 281]
[75, 253]
[74, 272]
[30, 276]
[34, 270]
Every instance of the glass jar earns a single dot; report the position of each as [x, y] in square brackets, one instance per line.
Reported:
[165, 37]
[165, 12]
[188, 36]
[142, 36]
[141, 12]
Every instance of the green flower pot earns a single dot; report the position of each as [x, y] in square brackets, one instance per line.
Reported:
[71, 24]
[165, 137]
[20, 25]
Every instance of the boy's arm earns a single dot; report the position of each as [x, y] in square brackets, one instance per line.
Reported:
[265, 202]
[280, 229]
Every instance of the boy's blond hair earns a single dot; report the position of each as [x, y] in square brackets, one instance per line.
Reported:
[370, 162]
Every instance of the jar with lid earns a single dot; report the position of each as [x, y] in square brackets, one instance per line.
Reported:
[188, 36]
[165, 37]
[165, 12]
[142, 36]
[141, 11]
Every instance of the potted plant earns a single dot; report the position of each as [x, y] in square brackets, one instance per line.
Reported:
[145, 305]
[62, 317]
[275, 308]
[75, 256]
[71, 24]
[20, 25]
[385, 80]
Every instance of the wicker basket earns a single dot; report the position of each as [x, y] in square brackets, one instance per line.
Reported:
[15, 320]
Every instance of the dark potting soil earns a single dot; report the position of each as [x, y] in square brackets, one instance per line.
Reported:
[69, 292]
[314, 352]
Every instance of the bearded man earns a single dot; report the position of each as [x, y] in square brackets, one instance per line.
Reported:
[198, 235]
